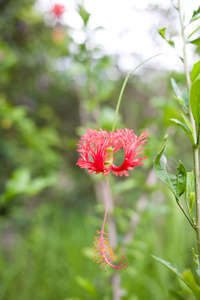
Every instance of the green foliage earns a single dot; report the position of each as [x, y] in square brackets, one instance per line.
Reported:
[195, 93]
[50, 90]
[195, 100]
[177, 182]
[195, 71]
[190, 195]
[87, 286]
[84, 14]
[189, 278]
[21, 183]
[196, 15]
[179, 95]
[188, 129]
[183, 182]
[52, 241]
[185, 275]
[194, 18]
[34, 147]
[162, 33]
[196, 42]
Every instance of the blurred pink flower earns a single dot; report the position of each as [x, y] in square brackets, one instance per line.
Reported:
[58, 10]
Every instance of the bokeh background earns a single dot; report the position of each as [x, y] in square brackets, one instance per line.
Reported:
[55, 82]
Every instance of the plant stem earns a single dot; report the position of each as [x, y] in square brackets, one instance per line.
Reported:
[186, 215]
[196, 140]
[124, 85]
[115, 278]
[102, 188]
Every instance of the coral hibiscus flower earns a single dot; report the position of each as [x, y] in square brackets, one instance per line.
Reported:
[97, 148]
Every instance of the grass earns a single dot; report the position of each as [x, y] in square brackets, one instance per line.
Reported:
[45, 254]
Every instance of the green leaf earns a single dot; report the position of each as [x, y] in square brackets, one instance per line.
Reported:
[179, 95]
[185, 275]
[162, 33]
[173, 267]
[176, 89]
[84, 14]
[86, 285]
[171, 43]
[188, 131]
[196, 15]
[17, 184]
[196, 12]
[190, 189]
[179, 180]
[175, 295]
[190, 183]
[189, 278]
[194, 31]
[195, 42]
[21, 183]
[175, 182]
[189, 125]
[195, 71]
[40, 183]
[195, 100]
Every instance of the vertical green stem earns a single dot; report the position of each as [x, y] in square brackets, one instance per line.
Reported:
[196, 145]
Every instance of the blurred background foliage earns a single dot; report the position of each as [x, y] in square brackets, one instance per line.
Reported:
[51, 90]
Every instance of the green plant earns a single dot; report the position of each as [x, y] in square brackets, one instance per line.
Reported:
[184, 185]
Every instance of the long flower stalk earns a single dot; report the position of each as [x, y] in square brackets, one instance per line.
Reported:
[124, 85]
[103, 252]
[196, 140]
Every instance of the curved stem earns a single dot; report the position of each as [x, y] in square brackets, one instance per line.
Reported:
[102, 240]
[124, 85]
[102, 229]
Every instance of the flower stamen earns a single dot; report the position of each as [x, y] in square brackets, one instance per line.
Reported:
[104, 255]
[109, 157]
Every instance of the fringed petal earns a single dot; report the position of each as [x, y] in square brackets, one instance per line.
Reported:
[132, 148]
[95, 149]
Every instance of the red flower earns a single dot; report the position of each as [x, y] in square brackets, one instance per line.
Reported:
[97, 148]
[58, 10]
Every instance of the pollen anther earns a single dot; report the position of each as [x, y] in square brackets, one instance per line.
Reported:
[105, 253]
